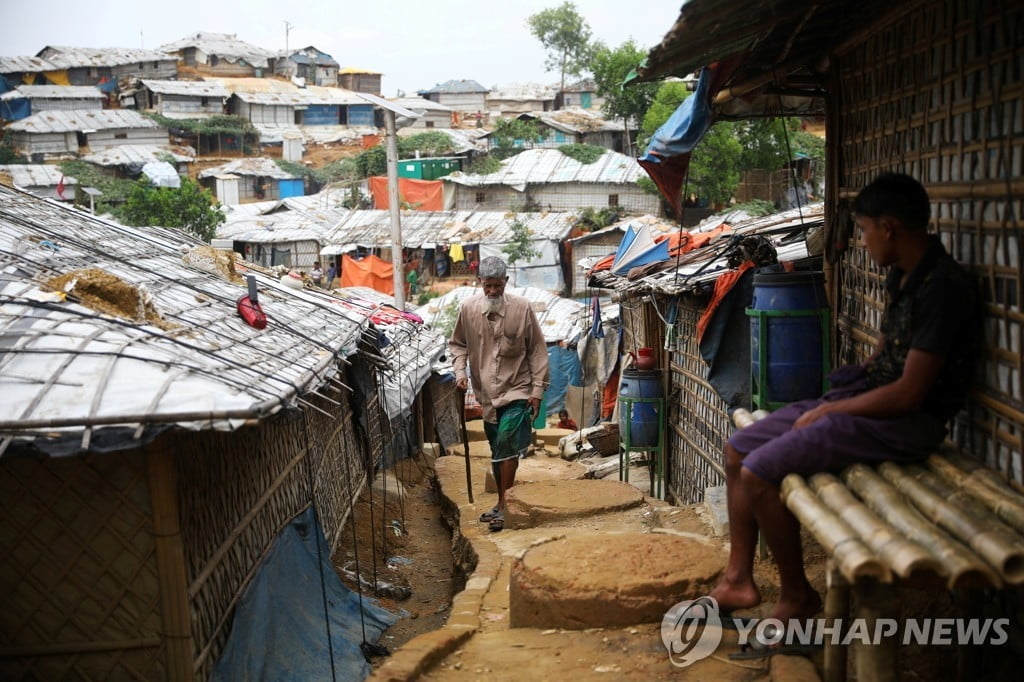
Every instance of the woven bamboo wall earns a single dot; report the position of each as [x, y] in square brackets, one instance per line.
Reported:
[938, 92]
[238, 490]
[698, 419]
[78, 570]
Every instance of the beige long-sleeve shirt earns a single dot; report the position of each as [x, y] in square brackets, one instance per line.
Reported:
[507, 358]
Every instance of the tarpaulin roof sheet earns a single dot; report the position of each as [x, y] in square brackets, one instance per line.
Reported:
[547, 166]
[226, 46]
[260, 166]
[54, 92]
[27, 175]
[65, 57]
[25, 64]
[127, 154]
[56, 121]
[204, 88]
[171, 347]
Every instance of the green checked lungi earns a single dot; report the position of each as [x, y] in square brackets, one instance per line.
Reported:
[511, 436]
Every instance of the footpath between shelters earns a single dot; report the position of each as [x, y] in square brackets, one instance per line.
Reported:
[576, 585]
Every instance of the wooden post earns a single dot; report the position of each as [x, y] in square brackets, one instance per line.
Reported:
[875, 662]
[170, 559]
[837, 608]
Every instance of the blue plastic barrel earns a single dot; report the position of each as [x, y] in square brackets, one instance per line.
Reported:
[641, 417]
[793, 305]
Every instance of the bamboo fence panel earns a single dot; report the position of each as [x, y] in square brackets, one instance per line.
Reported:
[852, 556]
[698, 419]
[78, 560]
[937, 93]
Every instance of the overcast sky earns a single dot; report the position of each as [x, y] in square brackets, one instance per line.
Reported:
[414, 43]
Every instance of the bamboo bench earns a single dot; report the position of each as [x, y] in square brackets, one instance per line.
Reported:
[948, 522]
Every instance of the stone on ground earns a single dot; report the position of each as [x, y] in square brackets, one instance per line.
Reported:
[608, 580]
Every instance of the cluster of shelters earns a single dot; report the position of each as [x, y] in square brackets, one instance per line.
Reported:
[167, 457]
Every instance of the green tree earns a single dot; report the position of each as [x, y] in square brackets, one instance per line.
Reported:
[566, 37]
[610, 68]
[189, 208]
[519, 247]
[510, 133]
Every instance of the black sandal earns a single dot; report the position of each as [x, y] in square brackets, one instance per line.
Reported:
[488, 516]
[496, 524]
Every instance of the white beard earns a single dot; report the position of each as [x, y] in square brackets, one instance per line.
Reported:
[496, 305]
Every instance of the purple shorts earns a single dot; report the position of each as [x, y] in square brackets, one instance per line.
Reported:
[774, 450]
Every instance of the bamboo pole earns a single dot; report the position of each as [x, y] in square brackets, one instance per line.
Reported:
[175, 615]
[837, 610]
[875, 662]
[963, 567]
[1005, 504]
[990, 538]
[905, 557]
[853, 557]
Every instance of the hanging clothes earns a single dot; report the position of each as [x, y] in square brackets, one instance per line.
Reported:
[456, 254]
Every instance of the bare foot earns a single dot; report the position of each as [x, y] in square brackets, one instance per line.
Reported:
[732, 595]
[799, 606]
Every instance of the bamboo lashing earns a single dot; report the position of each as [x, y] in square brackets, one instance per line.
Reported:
[854, 559]
[1005, 504]
[963, 568]
[993, 541]
[905, 557]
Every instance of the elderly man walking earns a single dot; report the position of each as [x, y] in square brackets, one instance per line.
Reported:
[497, 344]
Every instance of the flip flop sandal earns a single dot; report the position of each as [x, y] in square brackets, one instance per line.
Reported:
[487, 516]
[496, 524]
[751, 652]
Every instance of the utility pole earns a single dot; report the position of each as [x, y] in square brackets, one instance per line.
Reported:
[398, 275]
[287, 27]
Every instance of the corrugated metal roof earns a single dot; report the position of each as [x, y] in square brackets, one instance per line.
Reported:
[542, 166]
[418, 104]
[140, 153]
[205, 88]
[557, 316]
[260, 166]
[278, 228]
[69, 369]
[55, 121]
[36, 175]
[284, 93]
[226, 46]
[455, 87]
[54, 92]
[23, 64]
[65, 57]
[464, 139]
[419, 228]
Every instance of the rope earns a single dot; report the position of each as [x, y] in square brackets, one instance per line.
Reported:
[319, 554]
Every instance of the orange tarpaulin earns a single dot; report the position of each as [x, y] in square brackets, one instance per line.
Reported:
[370, 271]
[421, 195]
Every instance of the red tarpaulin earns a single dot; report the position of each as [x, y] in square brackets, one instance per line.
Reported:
[370, 271]
[420, 195]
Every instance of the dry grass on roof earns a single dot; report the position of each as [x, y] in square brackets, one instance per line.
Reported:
[106, 293]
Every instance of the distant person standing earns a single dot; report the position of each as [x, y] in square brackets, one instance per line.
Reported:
[498, 344]
[332, 274]
[317, 275]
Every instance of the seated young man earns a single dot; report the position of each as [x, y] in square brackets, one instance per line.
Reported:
[893, 407]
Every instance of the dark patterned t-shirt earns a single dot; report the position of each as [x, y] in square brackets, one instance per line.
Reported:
[936, 310]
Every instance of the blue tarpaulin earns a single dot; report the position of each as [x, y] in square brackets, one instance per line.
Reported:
[564, 369]
[280, 627]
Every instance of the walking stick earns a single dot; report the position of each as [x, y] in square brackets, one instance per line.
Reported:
[465, 445]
